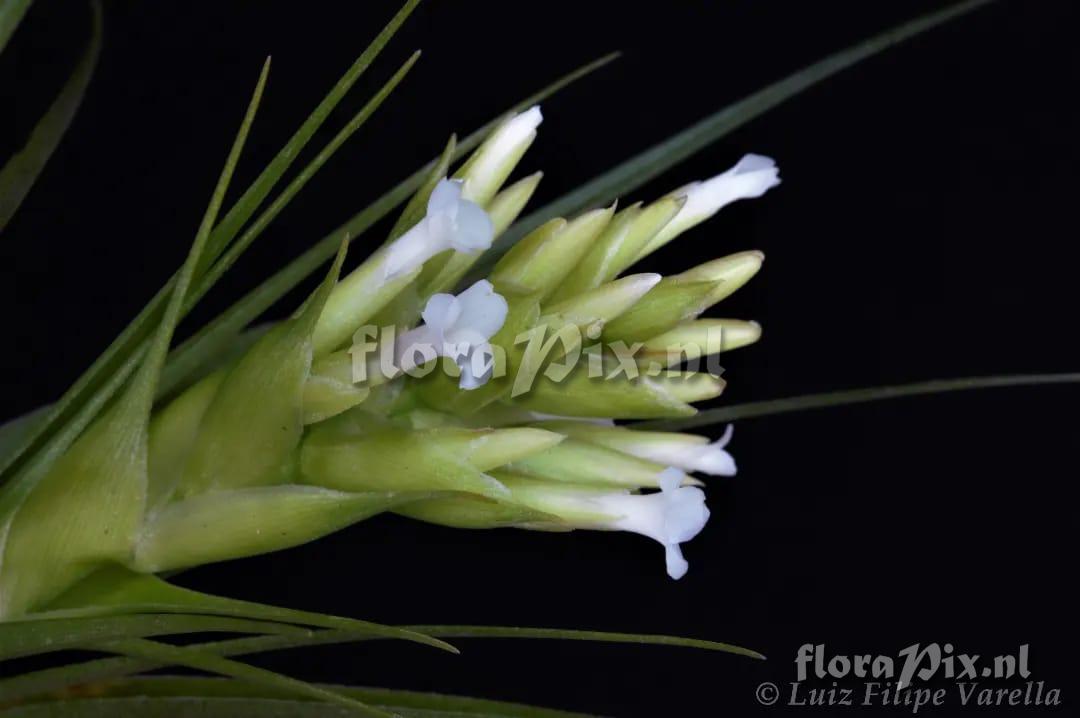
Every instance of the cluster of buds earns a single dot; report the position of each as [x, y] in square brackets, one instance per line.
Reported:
[322, 423]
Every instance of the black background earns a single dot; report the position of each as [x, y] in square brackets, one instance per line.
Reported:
[925, 228]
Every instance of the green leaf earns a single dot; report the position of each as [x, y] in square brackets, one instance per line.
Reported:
[51, 679]
[390, 699]
[11, 14]
[564, 634]
[116, 590]
[237, 248]
[98, 383]
[107, 668]
[35, 637]
[844, 397]
[62, 520]
[247, 204]
[193, 658]
[172, 696]
[22, 170]
[15, 431]
[659, 158]
[181, 707]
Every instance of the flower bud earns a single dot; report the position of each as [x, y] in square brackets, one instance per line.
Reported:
[682, 297]
[645, 397]
[581, 462]
[604, 303]
[462, 511]
[699, 338]
[730, 272]
[486, 171]
[542, 259]
[688, 452]
[618, 247]
[672, 301]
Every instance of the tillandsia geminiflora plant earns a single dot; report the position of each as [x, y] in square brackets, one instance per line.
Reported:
[469, 373]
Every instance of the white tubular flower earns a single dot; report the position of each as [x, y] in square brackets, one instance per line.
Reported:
[457, 327]
[672, 516]
[499, 154]
[452, 222]
[752, 176]
[688, 454]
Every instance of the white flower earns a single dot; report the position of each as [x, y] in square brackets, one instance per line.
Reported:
[451, 223]
[672, 516]
[457, 327]
[752, 176]
[689, 453]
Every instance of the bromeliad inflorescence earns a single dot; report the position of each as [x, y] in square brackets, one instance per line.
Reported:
[338, 413]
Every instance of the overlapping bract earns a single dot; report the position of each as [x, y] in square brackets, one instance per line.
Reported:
[285, 444]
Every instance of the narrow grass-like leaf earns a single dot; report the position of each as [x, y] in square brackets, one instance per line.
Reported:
[251, 199]
[22, 170]
[29, 638]
[194, 707]
[564, 634]
[46, 680]
[106, 668]
[388, 699]
[844, 397]
[117, 590]
[15, 431]
[96, 384]
[220, 333]
[176, 697]
[228, 259]
[657, 159]
[193, 658]
[190, 707]
[11, 14]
